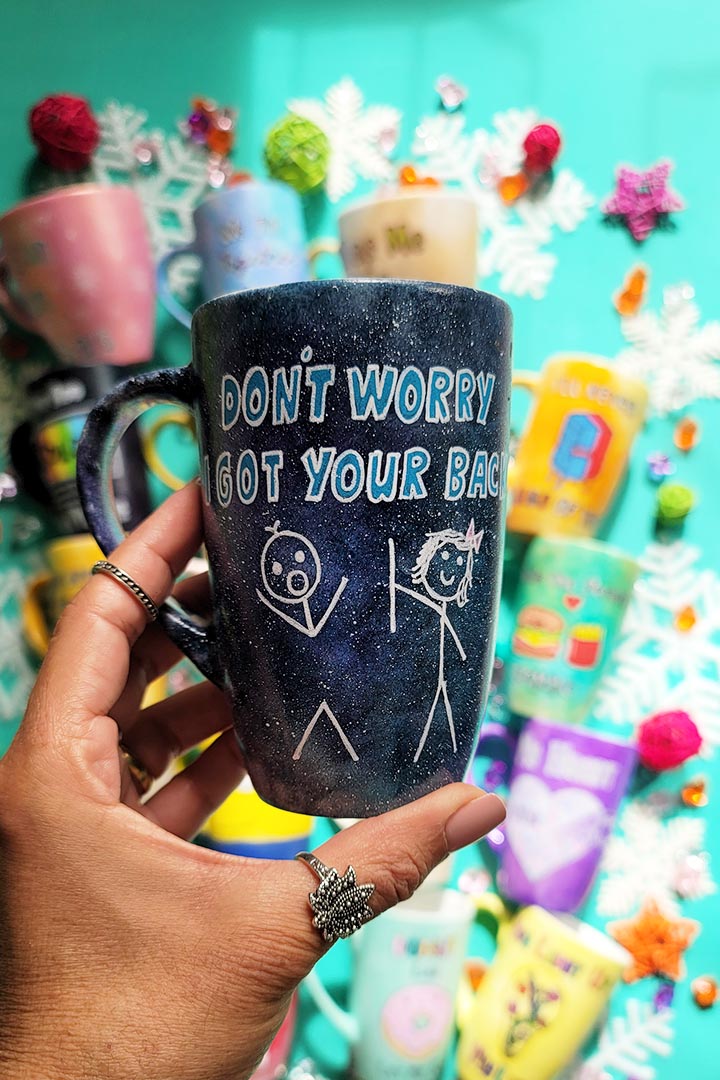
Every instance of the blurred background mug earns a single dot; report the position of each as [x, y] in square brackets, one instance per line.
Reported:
[428, 235]
[76, 268]
[576, 445]
[546, 987]
[565, 788]
[247, 236]
[571, 602]
[408, 964]
[69, 560]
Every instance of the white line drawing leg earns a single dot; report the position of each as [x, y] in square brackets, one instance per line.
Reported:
[449, 714]
[391, 586]
[426, 731]
[324, 708]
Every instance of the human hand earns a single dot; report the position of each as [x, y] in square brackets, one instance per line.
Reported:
[127, 952]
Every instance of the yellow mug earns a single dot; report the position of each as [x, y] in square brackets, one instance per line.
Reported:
[576, 445]
[69, 560]
[539, 999]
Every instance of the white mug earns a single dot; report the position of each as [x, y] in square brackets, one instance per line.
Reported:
[407, 969]
[422, 235]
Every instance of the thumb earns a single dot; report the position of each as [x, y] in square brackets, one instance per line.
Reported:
[395, 851]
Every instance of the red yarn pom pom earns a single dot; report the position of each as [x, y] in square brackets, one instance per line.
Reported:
[667, 739]
[542, 145]
[65, 131]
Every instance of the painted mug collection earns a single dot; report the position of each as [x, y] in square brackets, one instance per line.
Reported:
[353, 456]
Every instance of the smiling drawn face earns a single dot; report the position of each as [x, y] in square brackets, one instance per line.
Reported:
[445, 572]
[290, 567]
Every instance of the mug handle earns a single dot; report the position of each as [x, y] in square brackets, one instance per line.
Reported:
[35, 628]
[7, 301]
[527, 380]
[104, 428]
[150, 451]
[170, 302]
[324, 245]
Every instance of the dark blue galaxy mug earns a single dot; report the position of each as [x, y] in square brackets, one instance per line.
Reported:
[353, 458]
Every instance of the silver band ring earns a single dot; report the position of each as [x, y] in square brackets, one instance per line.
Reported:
[105, 567]
[339, 904]
[138, 773]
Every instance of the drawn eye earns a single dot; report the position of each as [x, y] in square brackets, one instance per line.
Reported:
[445, 555]
[277, 568]
[459, 560]
[300, 556]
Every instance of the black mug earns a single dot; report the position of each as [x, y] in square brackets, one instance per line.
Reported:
[353, 449]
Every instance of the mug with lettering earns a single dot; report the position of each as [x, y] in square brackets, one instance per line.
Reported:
[44, 449]
[565, 788]
[576, 445]
[408, 964]
[353, 449]
[547, 986]
[428, 235]
[76, 268]
[571, 602]
[247, 236]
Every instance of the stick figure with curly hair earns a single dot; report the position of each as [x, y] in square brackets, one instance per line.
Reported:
[444, 569]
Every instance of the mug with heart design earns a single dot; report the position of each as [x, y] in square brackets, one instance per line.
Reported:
[76, 268]
[571, 601]
[545, 989]
[565, 788]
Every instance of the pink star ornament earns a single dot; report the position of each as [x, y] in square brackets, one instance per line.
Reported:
[642, 199]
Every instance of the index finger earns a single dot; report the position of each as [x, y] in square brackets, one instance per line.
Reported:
[89, 657]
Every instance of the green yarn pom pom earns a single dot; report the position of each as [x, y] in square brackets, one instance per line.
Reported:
[297, 152]
[674, 502]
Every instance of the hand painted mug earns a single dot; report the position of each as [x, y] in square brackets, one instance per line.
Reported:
[429, 235]
[69, 560]
[44, 449]
[576, 445]
[545, 989]
[408, 964]
[565, 788]
[353, 447]
[571, 602]
[76, 268]
[248, 236]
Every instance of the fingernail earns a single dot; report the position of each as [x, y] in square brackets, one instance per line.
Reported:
[475, 819]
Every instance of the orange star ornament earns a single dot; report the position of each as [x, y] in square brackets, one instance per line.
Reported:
[656, 942]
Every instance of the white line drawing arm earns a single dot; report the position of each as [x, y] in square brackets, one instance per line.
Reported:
[419, 596]
[330, 608]
[307, 630]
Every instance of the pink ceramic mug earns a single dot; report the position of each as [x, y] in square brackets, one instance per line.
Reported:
[76, 268]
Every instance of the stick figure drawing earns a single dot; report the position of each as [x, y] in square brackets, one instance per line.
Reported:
[444, 569]
[291, 572]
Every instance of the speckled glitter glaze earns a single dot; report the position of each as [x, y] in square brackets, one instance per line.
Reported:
[354, 637]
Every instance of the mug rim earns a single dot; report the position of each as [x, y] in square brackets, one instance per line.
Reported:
[330, 284]
[60, 544]
[589, 543]
[580, 730]
[377, 198]
[71, 189]
[450, 905]
[584, 934]
[255, 182]
[599, 361]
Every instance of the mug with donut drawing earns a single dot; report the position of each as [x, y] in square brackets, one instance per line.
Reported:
[576, 445]
[571, 601]
[549, 982]
[408, 964]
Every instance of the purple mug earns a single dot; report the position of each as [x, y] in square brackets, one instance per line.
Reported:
[565, 788]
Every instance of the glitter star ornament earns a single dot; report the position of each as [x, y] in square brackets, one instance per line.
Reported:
[656, 941]
[340, 905]
[642, 200]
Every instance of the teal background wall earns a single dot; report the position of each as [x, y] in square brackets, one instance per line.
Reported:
[627, 82]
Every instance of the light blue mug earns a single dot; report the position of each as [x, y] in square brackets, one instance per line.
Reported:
[246, 236]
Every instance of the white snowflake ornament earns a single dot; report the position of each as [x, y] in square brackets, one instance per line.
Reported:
[672, 353]
[512, 236]
[169, 189]
[662, 662]
[628, 1043]
[648, 858]
[361, 137]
